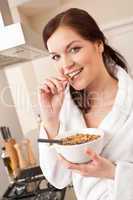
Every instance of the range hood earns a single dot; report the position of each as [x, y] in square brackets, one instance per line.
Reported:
[18, 41]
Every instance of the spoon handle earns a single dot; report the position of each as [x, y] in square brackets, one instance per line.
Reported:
[50, 141]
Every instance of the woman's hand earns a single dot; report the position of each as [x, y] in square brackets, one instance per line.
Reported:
[51, 98]
[97, 167]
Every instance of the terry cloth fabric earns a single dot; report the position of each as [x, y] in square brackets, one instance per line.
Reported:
[118, 128]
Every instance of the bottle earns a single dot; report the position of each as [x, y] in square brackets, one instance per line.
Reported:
[7, 164]
[12, 153]
[25, 154]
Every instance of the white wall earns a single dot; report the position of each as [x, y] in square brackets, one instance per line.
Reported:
[8, 115]
[43, 68]
[120, 36]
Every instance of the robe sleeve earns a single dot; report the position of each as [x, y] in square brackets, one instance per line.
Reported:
[123, 183]
[51, 167]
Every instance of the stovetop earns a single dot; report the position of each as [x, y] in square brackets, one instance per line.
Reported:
[32, 185]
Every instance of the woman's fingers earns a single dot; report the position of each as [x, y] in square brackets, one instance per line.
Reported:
[92, 154]
[59, 83]
[51, 89]
[45, 89]
[50, 85]
[54, 85]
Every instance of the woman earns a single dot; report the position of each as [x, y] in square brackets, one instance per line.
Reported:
[93, 90]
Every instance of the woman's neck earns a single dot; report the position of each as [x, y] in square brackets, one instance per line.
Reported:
[104, 90]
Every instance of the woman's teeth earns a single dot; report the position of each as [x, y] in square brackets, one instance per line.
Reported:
[74, 74]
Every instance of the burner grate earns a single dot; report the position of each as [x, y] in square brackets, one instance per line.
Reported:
[32, 185]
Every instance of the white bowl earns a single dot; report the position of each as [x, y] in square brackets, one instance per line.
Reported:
[76, 153]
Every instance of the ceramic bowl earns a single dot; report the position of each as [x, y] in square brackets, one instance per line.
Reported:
[76, 153]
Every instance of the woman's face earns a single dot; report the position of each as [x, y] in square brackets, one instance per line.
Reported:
[76, 58]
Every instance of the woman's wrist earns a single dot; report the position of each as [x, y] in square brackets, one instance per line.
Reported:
[51, 128]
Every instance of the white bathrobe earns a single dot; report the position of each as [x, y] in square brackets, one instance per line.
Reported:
[118, 127]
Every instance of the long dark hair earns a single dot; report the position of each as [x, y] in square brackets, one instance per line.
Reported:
[80, 21]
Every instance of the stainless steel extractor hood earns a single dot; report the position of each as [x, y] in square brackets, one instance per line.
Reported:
[18, 41]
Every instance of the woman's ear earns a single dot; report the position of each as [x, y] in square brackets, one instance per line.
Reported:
[101, 47]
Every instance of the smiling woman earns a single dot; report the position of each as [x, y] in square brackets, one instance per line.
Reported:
[88, 94]
[76, 48]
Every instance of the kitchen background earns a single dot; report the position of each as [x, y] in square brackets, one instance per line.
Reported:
[24, 64]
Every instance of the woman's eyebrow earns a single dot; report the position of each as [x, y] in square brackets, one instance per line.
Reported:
[67, 47]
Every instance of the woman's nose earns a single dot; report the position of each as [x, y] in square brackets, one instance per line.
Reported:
[67, 64]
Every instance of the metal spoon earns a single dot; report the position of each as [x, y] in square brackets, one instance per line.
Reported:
[51, 141]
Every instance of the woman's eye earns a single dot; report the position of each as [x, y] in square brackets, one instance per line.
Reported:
[74, 49]
[55, 57]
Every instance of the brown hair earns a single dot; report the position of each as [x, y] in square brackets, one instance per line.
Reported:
[80, 21]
